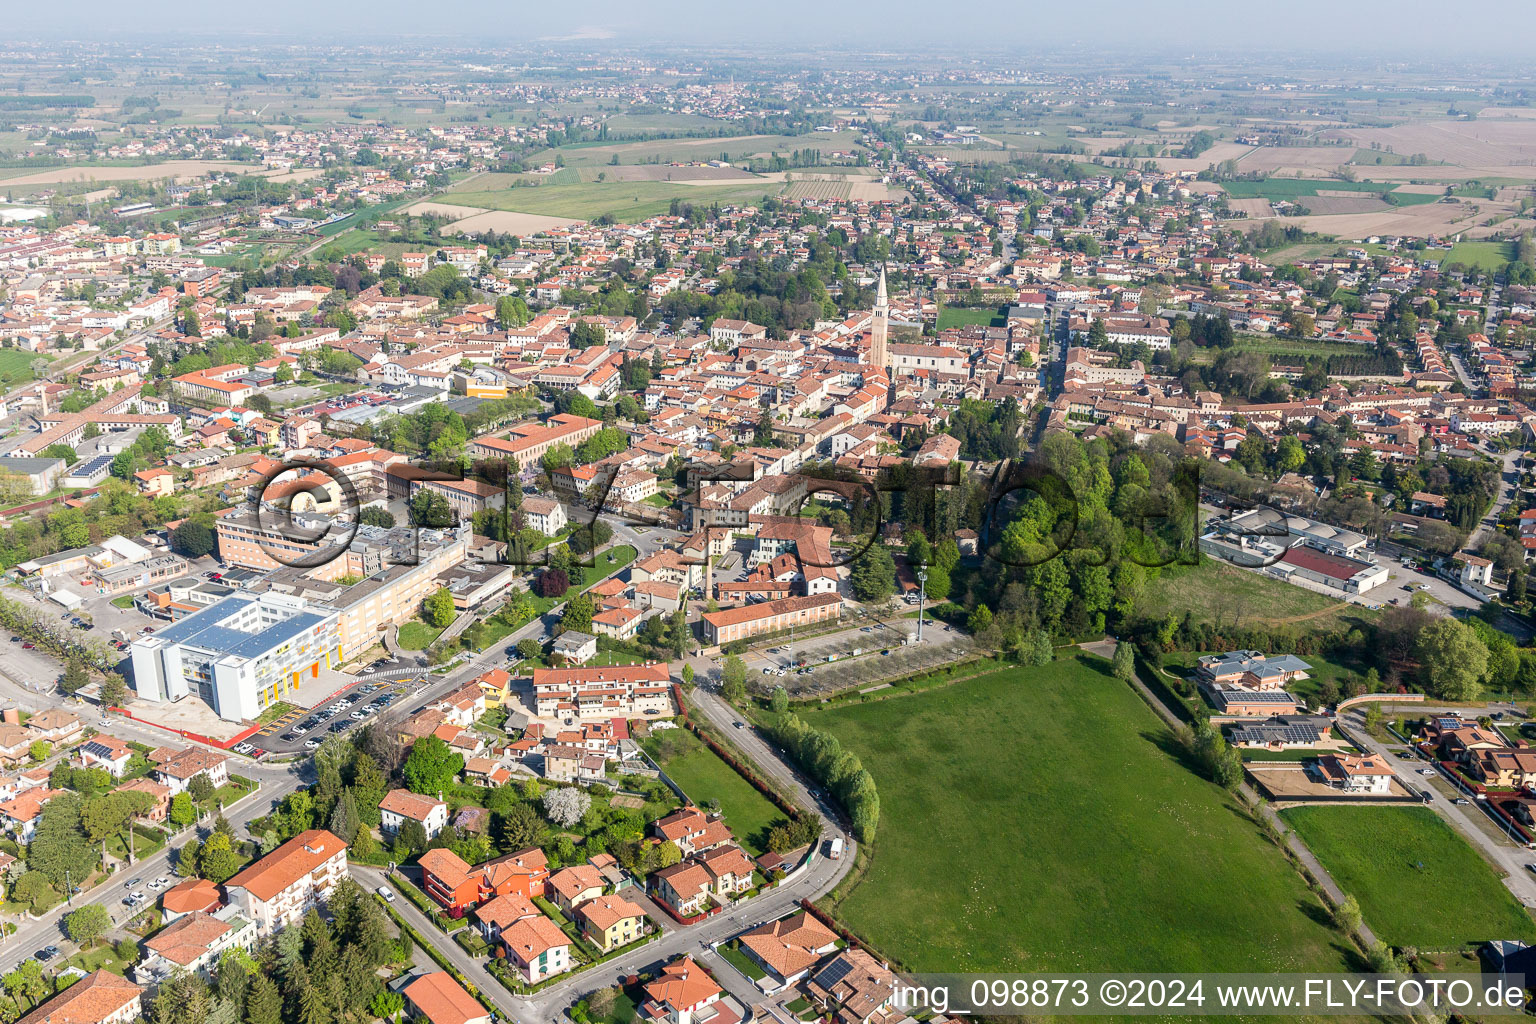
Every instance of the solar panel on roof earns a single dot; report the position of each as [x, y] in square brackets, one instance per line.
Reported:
[834, 972]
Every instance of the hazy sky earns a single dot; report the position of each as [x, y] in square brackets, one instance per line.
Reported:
[1404, 27]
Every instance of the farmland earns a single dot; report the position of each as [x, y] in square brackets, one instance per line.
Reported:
[1043, 871]
[629, 202]
[1398, 861]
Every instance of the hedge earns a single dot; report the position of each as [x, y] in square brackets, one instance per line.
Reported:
[434, 953]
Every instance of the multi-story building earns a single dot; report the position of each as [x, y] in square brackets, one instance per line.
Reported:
[537, 948]
[240, 655]
[98, 998]
[609, 922]
[277, 890]
[193, 942]
[769, 617]
[626, 691]
[530, 441]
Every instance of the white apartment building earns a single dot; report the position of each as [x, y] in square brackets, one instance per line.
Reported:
[277, 890]
[239, 655]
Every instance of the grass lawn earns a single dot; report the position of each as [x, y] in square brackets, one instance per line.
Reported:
[1062, 855]
[123, 601]
[705, 777]
[16, 365]
[1486, 256]
[100, 958]
[1217, 592]
[275, 711]
[1376, 853]
[418, 636]
[743, 963]
[961, 316]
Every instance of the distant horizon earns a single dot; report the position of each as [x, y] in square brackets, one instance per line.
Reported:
[1409, 30]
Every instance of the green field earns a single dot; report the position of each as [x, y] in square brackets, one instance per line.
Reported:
[629, 201]
[1298, 348]
[962, 316]
[1418, 882]
[16, 365]
[736, 149]
[1486, 256]
[1044, 819]
[704, 777]
[1217, 592]
[1296, 188]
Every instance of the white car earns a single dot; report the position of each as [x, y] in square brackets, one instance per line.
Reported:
[1426, 771]
[311, 744]
[385, 894]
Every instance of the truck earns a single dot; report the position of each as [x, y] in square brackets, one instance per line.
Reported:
[836, 849]
[120, 635]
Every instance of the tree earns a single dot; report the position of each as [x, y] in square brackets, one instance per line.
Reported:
[980, 620]
[182, 812]
[430, 509]
[431, 766]
[520, 827]
[553, 583]
[874, 574]
[201, 788]
[511, 312]
[386, 1004]
[376, 515]
[33, 889]
[39, 751]
[566, 807]
[438, 608]
[578, 614]
[75, 677]
[1124, 664]
[411, 839]
[88, 924]
[344, 821]
[264, 1005]
[1452, 659]
[779, 700]
[688, 675]
[734, 679]
[528, 647]
[113, 691]
[1346, 916]
[192, 539]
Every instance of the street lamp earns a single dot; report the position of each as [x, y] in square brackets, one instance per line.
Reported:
[922, 595]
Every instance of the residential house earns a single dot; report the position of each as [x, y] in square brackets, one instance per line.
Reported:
[789, 948]
[441, 1000]
[181, 768]
[611, 921]
[537, 948]
[684, 993]
[103, 751]
[99, 998]
[853, 987]
[193, 942]
[570, 887]
[192, 896]
[401, 805]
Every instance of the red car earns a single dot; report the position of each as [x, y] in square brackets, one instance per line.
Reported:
[28, 647]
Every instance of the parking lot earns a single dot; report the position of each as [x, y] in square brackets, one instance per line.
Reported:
[883, 652]
[303, 730]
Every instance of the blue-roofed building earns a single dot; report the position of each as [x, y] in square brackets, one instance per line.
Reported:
[239, 655]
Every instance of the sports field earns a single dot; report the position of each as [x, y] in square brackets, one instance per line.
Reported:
[1040, 819]
[1418, 883]
[961, 316]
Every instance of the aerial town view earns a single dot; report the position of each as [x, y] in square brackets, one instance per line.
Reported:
[553, 517]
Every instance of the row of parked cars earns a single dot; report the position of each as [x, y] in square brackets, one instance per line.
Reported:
[335, 710]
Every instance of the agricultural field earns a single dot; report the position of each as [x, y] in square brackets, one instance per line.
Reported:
[629, 202]
[1400, 861]
[731, 148]
[1293, 189]
[1062, 855]
[1490, 257]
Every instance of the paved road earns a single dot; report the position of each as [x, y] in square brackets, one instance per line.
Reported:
[813, 882]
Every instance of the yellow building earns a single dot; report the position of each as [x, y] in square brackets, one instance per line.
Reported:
[609, 922]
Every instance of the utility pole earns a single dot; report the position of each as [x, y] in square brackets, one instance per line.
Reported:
[922, 595]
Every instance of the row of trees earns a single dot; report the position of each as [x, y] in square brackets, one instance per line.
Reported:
[822, 756]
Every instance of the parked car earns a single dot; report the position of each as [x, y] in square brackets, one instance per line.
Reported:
[311, 744]
[385, 894]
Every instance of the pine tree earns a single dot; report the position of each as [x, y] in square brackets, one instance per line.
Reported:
[344, 820]
[265, 1003]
